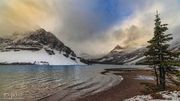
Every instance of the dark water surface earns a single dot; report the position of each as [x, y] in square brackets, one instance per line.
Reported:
[61, 82]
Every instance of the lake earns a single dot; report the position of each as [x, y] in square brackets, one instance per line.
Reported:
[32, 82]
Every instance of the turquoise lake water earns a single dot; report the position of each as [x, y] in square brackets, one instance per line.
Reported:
[54, 82]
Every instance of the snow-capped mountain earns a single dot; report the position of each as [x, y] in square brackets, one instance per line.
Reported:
[121, 55]
[36, 47]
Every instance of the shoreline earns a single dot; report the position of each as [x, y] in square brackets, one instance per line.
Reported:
[129, 86]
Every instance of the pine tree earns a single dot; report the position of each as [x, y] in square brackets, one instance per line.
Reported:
[158, 55]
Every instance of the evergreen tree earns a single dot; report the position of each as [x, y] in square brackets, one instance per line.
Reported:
[158, 55]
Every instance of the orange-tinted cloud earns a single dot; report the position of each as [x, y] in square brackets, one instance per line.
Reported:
[24, 15]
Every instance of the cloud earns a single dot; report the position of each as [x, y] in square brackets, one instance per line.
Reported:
[21, 16]
[74, 21]
[90, 26]
[138, 28]
[83, 20]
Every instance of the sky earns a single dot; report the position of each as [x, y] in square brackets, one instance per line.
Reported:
[90, 26]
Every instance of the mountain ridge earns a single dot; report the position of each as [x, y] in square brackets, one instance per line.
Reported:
[36, 41]
[129, 57]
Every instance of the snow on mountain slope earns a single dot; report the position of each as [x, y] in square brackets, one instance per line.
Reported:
[35, 57]
[37, 47]
[122, 56]
[135, 61]
[175, 46]
[129, 56]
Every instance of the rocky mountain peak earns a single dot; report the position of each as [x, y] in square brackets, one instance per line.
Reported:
[41, 37]
[118, 48]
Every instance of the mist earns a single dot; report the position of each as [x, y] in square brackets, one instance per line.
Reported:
[90, 26]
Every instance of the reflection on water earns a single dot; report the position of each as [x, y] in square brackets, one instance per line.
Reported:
[53, 82]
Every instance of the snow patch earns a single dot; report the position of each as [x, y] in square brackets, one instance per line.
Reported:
[135, 61]
[142, 77]
[37, 57]
[167, 96]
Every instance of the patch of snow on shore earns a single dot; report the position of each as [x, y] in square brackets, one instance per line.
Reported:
[168, 96]
[142, 77]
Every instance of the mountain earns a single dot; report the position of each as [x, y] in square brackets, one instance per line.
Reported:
[37, 47]
[175, 46]
[117, 49]
[121, 55]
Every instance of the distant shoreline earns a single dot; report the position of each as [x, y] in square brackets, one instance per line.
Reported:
[17, 64]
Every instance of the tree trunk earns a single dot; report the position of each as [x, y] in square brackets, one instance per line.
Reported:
[163, 78]
[156, 74]
[160, 78]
